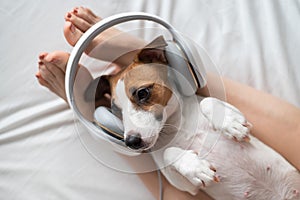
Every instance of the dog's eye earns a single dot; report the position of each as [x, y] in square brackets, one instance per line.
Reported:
[142, 94]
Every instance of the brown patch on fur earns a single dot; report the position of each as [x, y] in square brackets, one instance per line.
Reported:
[146, 75]
[154, 52]
[148, 68]
[139, 75]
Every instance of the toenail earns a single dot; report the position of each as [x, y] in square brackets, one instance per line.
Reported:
[40, 63]
[42, 56]
[75, 10]
[69, 15]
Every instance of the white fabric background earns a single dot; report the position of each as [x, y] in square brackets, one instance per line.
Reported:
[251, 41]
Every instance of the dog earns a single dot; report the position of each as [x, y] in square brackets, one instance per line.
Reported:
[157, 117]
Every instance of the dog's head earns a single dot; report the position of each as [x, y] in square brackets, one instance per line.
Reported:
[140, 95]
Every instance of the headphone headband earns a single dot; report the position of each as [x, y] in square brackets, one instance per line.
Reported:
[193, 76]
[109, 22]
[95, 30]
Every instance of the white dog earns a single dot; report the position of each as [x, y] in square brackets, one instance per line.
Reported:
[233, 165]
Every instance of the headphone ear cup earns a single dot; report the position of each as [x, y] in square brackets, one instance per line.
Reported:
[184, 58]
[111, 124]
[192, 52]
[179, 69]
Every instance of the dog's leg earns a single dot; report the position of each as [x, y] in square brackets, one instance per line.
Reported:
[187, 171]
[226, 118]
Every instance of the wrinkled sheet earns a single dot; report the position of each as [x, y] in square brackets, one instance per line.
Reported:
[41, 157]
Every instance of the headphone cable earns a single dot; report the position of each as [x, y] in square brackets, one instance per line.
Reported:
[160, 185]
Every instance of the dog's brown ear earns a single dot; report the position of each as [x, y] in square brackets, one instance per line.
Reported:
[154, 52]
[96, 91]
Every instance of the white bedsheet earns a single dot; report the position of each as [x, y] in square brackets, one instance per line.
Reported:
[255, 42]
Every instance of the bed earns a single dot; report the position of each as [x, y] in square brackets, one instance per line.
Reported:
[41, 157]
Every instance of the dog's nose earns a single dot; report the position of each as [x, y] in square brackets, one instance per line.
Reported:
[134, 141]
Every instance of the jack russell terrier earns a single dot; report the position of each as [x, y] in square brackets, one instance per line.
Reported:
[153, 113]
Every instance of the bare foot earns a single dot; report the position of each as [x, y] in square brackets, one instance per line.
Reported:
[111, 45]
[52, 69]
[51, 74]
[78, 21]
[52, 66]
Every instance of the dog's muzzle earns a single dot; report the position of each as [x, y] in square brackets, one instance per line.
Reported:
[134, 141]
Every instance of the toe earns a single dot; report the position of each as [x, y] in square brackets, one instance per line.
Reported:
[46, 74]
[86, 14]
[57, 60]
[43, 55]
[71, 33]
[42, 81]
[78, 22]
[51, 76]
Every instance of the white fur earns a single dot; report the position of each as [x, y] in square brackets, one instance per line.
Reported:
[225, 118]
[190, 165]
[137, 120]
[205, 131]
[246, 170]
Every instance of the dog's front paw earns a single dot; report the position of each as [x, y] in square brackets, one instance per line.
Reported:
[198, 171]
[226, 118]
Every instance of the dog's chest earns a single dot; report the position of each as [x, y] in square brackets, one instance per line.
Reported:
[194, 128]
[246, 170]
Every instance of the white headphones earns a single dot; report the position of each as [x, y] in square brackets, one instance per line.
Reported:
[181, 55]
